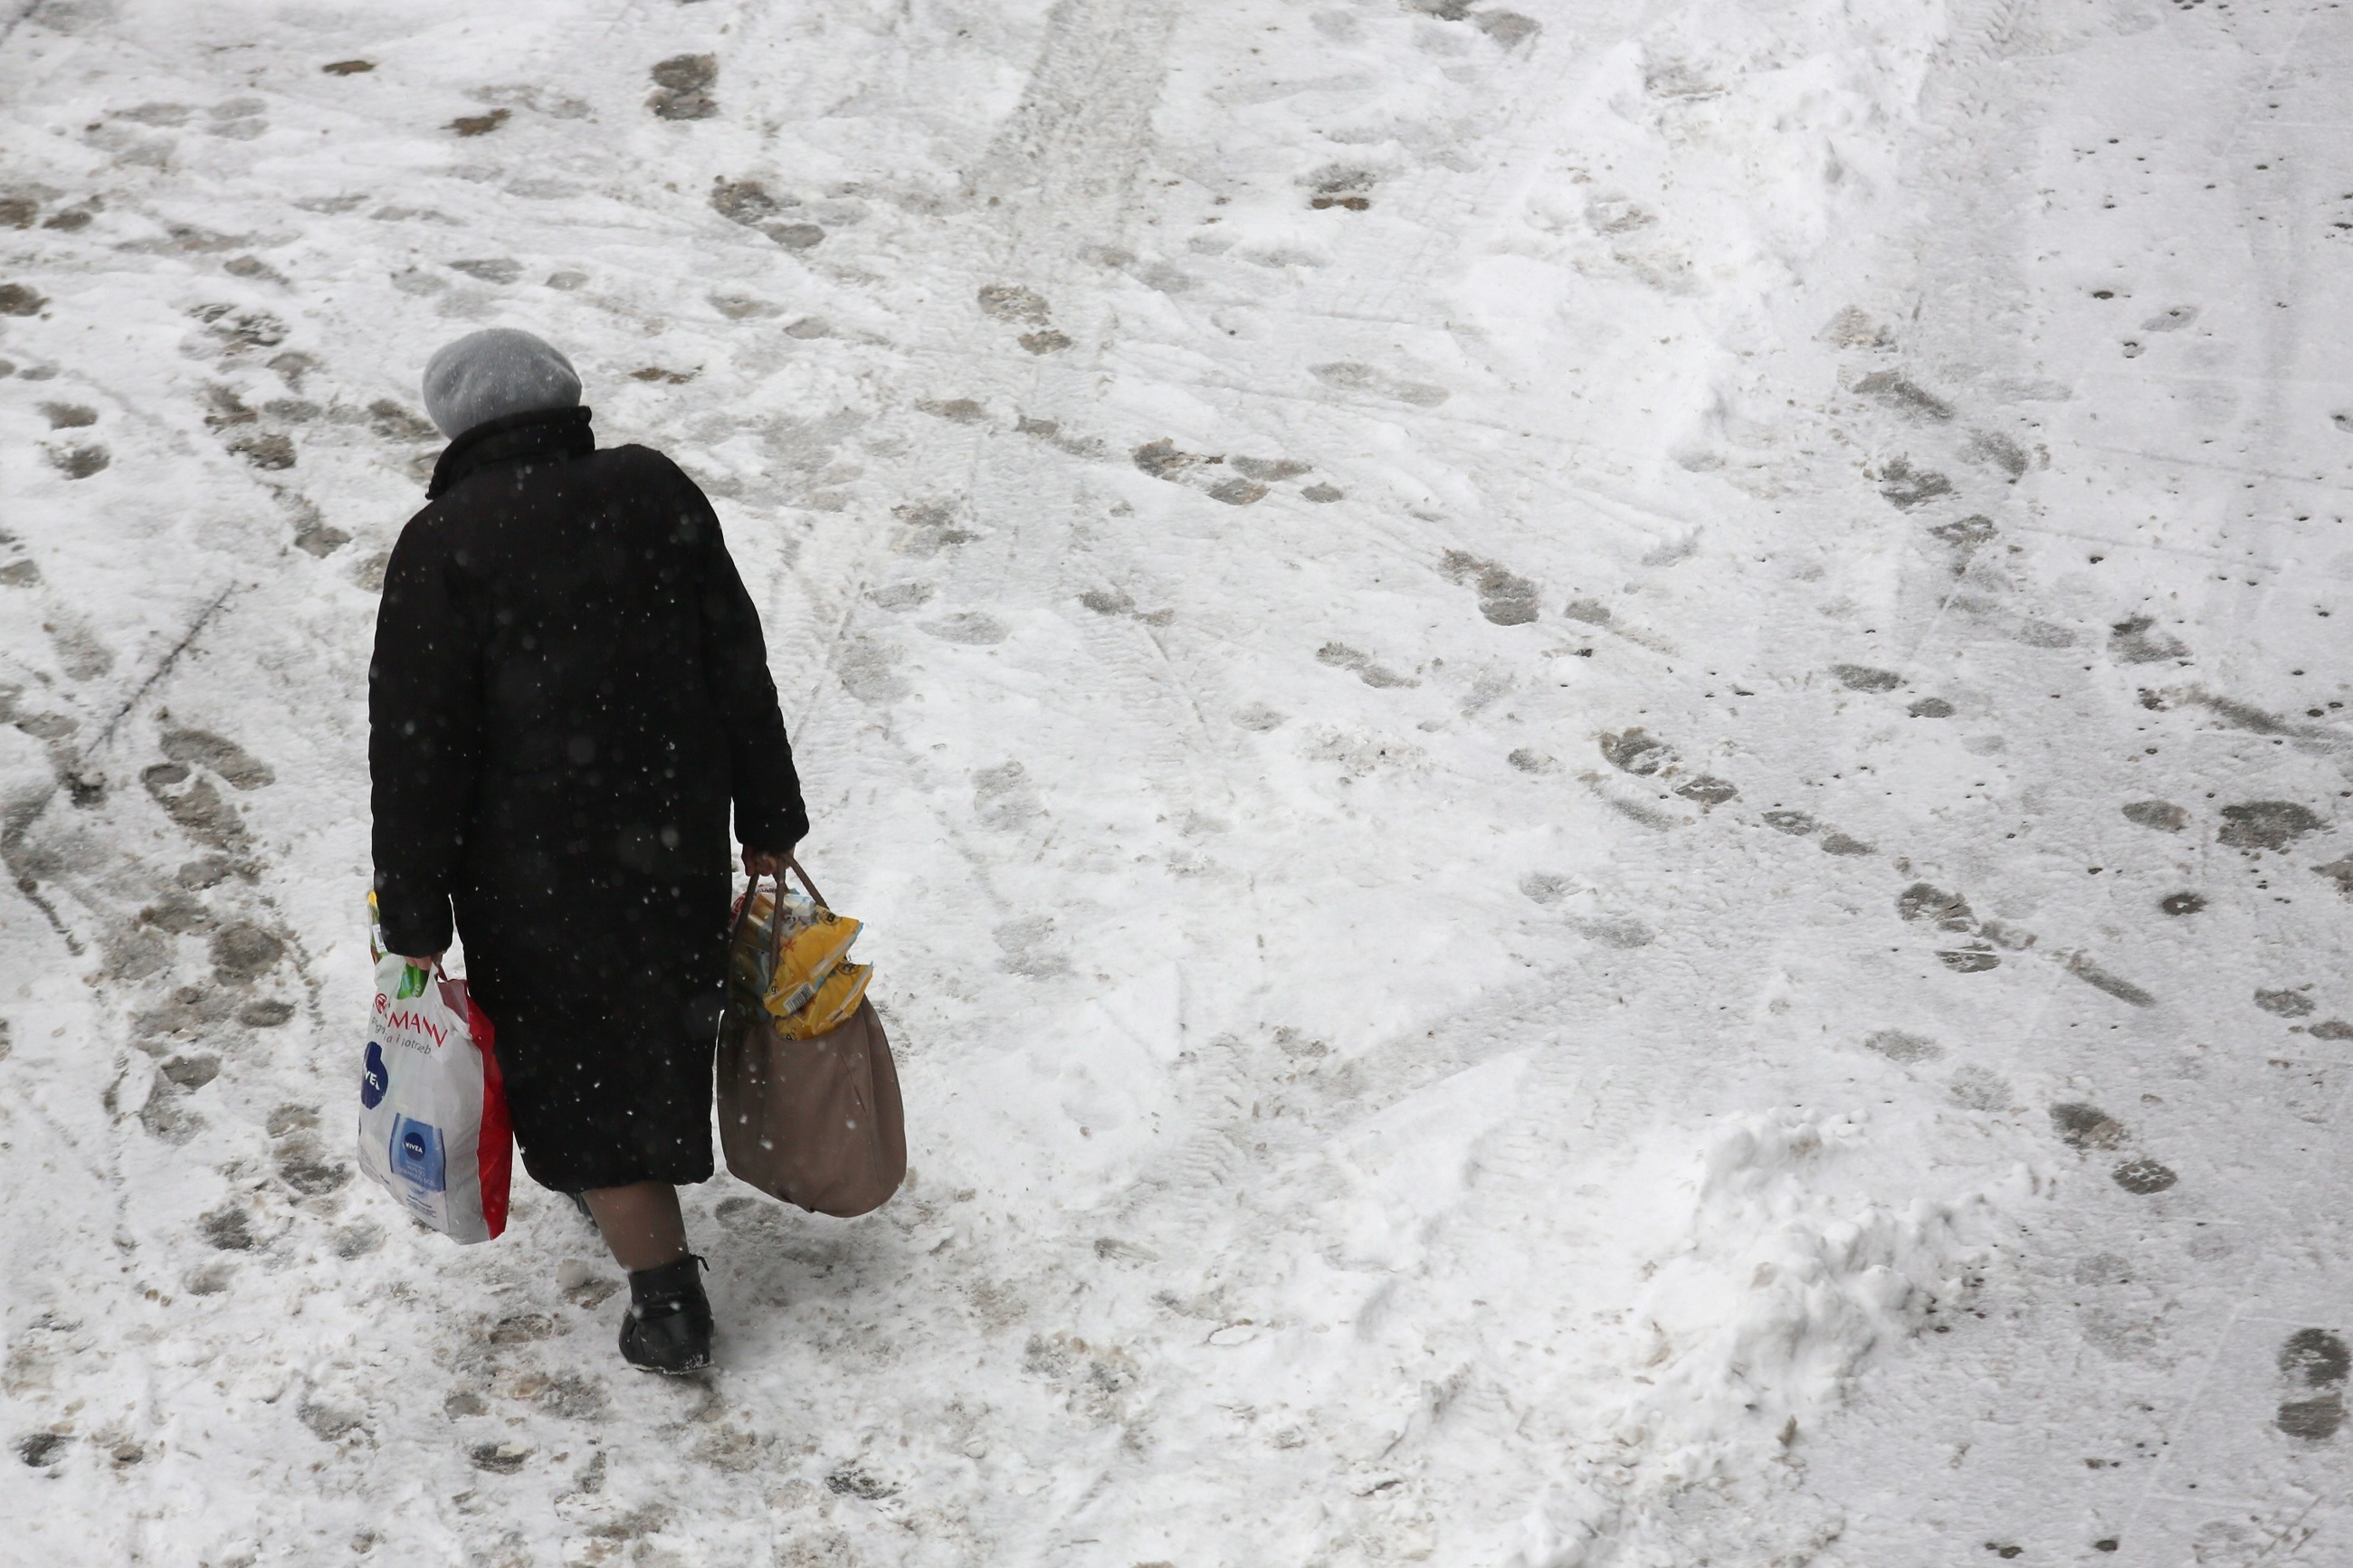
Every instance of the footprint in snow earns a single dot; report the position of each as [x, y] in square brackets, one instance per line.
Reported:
[1505, 597]
[1633, 751]
[1861, 678]
[1024, 307]
[1621, 932]
[228, 1230]
[1852, 328]
[1345, 376]
[1993, 449]
[243, 953]
[1905, 487]
[1340, 655]
[1708, 790]
[198, 810]
[927, 528]
[1011, 302]
[1898, 1046]
[1162, 460]
[495, 269]
[970, 628]
[1904, 397]
[166, 1119]
[2266, 825]
[2315, 1363]
[1338, 185]
[236, 765]
[1029, 948]
[867, 670]
[1271, 470]
[2082, 1126]
[1002, 798]
[79, 459]
[1964, 536]
[682, 85]
[1802, 825]
[2136, 641]
[2157, 814]
[1547, 887]
[754, 206]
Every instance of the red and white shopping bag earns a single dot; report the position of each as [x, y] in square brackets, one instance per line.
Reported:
[433, 1112]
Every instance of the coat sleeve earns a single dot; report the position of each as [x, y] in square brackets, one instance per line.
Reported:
[769, 813]
[425, 741]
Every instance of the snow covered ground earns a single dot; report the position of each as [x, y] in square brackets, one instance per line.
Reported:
[1595, 750]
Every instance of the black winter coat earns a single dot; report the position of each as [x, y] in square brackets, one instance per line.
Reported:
[569, 691]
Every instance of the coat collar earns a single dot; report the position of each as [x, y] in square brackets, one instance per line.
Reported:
[542, 435]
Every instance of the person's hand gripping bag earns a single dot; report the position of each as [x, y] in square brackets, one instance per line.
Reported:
[433, 1112]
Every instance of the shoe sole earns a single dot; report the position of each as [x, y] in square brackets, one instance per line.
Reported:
[702, 1365]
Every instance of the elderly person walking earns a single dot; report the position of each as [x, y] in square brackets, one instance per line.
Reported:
[569, 692]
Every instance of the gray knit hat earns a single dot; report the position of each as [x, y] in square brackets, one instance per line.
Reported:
[493, 373]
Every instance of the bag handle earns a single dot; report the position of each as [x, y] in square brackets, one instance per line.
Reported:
[775, 927]
[743, 912]
[797, 869]
[802, 872]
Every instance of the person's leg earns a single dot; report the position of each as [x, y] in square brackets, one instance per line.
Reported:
[641, 1223]
[668, 1327]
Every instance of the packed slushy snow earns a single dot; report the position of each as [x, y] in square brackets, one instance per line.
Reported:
[1595, 752]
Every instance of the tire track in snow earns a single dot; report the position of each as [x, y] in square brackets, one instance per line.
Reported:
[1067, 157]
[1058, 174]
[1057, 177]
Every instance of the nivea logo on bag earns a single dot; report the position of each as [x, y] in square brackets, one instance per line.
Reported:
[417, 1156]
[375, 1078]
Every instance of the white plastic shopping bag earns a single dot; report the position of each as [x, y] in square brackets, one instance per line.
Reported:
[433, 1112]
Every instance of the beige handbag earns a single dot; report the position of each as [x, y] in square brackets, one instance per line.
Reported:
[815, 1121]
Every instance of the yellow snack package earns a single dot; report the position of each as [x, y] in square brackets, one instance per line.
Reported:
[815, 941]
[811, 952]
[835, 1001]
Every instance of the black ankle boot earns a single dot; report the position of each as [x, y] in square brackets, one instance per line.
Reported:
[668, 1327]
